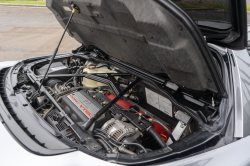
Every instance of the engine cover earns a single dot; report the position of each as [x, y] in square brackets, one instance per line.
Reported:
[80, 106]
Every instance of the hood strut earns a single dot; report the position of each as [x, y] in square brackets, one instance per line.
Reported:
[56, 50]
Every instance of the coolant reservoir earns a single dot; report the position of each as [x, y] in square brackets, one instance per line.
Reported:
[92, 84]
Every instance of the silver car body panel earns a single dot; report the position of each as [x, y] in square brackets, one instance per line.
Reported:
[13, 154]
[240, 61]
[225, 154]
[233, 154]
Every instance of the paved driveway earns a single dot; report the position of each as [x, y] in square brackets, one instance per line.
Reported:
[30, 31]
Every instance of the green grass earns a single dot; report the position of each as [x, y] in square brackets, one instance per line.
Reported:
[187, 5]
[29, 2]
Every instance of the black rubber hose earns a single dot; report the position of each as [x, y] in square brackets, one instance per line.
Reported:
[123, 143]
[104, 138]
[131, 143]
[77, 72]
[106, 147]
[156, 136]
[165, 127]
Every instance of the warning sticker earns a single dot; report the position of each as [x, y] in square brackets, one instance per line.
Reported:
[152, 98]
[159, 102]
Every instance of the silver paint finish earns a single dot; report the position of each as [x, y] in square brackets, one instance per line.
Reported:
[238, 131]
[233, 154]
[240, 61]
[5, 64]
[12, 154]
[178, 131]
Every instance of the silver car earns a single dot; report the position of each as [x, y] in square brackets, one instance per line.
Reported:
[154, 82]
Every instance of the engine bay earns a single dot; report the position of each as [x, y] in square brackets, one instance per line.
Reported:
[107, 110]
[132, 128]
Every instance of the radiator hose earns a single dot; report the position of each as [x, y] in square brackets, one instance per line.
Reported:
[156, 136]
[106, 147]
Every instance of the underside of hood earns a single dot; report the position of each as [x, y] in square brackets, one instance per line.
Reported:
[156, 36]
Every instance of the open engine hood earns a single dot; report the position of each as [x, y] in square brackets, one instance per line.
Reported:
[156, 36]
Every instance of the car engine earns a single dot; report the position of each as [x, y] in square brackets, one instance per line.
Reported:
[105, 109]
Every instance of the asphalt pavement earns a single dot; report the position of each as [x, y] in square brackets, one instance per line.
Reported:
[30, 31]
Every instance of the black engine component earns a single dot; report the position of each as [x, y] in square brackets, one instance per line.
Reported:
[72, 131]
[53, 81]
[55, 68]
[157, 138]
[141, 124]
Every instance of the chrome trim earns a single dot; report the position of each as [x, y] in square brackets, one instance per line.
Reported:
[221, 50]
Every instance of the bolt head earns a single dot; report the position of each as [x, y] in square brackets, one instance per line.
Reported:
[95, 147]
[88, 139]
[82, 141]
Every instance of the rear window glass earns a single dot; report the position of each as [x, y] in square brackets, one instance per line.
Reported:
[208, 13]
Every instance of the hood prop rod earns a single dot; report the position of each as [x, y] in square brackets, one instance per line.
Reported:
[56, 50]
